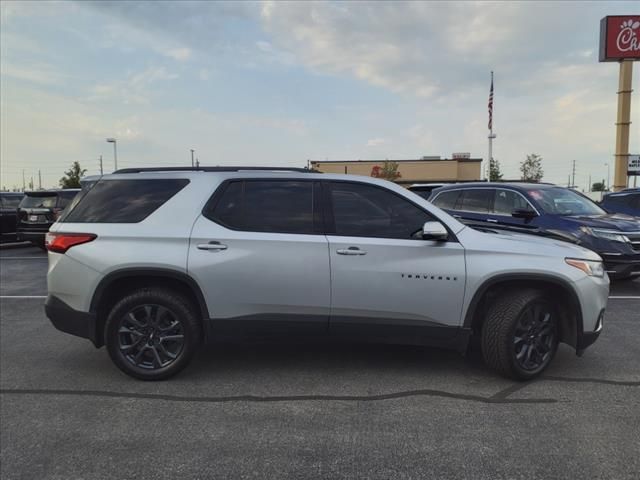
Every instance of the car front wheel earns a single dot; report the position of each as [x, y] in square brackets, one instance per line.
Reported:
[520, 334]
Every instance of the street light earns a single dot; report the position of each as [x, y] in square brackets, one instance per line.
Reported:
[608, 177]
[115, 152]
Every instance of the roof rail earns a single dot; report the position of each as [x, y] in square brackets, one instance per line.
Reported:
[214, 169]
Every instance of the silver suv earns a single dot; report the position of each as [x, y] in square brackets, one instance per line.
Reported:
[154, 262]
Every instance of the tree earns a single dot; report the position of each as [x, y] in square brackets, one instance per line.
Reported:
[531, 168]
[598, 187]
[388, 171]
[72, 176]
[494, 171]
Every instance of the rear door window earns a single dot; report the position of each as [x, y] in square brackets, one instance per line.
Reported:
[447, 200]
[476, 200]
[274, 206]
[123, 201]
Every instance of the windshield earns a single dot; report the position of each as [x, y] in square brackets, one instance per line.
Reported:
[562, 201]
[39, 201]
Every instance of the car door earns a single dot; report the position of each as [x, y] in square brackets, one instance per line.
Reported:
[260, 257]
[385, 279]
[505, 202]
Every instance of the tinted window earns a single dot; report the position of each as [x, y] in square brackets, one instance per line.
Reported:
[447, 199]
[367, 211]
[11, 201]
[476, 200]
[635, 202]
[123, 201]
[65, 198]
[506, 201]
[39, 201]
[276, 206]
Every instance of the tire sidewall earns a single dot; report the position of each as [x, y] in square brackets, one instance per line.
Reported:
[183, 313]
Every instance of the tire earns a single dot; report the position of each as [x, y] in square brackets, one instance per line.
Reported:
[152, 333]
[520, 334]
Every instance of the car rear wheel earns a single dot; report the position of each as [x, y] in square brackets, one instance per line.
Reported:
[152, 333]
[520, 334]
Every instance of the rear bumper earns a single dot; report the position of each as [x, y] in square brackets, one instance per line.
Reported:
[620, 266]
[68, 320]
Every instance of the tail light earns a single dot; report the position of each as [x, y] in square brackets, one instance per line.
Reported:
[61, 242]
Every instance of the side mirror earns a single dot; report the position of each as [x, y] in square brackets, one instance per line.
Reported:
[434, 231]
[523, 213]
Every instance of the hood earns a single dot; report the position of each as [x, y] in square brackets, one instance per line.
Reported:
[522, 243]
[610, 221]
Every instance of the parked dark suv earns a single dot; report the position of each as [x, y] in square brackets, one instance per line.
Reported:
[9, 202]
[39, 210]
[548, 209]
[627, 201]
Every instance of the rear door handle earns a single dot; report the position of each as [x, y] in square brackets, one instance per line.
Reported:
[212, 245]
[457, 216]
[492, 220]
[350, 251]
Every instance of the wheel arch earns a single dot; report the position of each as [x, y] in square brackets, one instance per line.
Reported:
[117, 283]
[561, 292]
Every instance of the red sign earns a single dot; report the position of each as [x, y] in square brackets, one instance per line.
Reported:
[620, 38]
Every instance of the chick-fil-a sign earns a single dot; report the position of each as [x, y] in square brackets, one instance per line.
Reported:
[620, 38]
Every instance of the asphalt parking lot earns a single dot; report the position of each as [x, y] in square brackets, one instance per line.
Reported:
[309, 411]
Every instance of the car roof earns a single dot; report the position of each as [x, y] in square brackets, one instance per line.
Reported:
[514, 185]
[46, 193]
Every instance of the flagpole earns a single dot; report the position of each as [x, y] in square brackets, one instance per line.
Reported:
[491, 134]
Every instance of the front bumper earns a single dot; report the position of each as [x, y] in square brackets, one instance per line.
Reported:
[621, 266]
[586, 339]
[68, 320]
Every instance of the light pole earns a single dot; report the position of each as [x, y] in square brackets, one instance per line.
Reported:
[192, 164]
[608, 175]
[115, 152]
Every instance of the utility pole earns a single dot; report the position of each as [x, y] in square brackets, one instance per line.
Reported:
[590, 185]
[197, 163]
[101, 165]
[39, 180]
[573, 175]
[491, 134]
[192, 164]
[24, 185]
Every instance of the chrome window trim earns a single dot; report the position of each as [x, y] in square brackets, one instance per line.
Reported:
[485, 188]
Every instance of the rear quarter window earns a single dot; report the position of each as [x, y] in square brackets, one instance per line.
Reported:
[123, 201]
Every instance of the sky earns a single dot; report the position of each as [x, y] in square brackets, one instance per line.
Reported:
[280, 83]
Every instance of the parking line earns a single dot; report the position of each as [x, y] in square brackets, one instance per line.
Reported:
[625, 296]
[23, 296]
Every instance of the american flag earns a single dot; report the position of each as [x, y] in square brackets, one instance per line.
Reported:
[491, 104]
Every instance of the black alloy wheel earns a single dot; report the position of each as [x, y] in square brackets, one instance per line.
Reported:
[534, 337]
[150, 336]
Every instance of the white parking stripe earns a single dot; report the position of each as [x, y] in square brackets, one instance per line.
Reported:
[23, 296]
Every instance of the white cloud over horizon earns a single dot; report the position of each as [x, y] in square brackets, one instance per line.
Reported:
[283, 82]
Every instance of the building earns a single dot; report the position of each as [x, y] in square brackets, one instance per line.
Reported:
[460, 168]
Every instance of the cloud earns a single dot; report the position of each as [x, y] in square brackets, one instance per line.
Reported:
[181, 54]
[40, 73]
[375, 142]
[135, 89]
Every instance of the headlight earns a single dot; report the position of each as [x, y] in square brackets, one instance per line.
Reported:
[606, 234]
[592, 268]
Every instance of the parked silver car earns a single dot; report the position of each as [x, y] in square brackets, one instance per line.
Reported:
[154, 262]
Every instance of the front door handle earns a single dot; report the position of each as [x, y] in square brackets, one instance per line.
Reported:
[492, 220]
[350, 251]
[212, 245]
